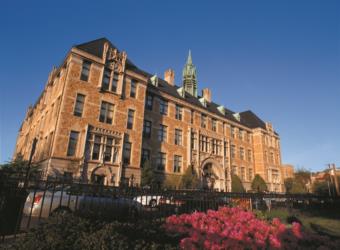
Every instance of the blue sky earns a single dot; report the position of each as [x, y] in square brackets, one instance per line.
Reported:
[280, 59]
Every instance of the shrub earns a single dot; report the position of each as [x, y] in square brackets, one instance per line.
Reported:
[234, 228]
[148, 176]
[236, 184]
[72, 232]
[258, 184]
[189, 179]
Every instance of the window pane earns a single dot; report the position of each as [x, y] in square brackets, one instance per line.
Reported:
[114, 83]
[131, 114]
[106, 79]
[127, 153]
[72, 144]
[133, 88]
[85, 71]
[78, 108]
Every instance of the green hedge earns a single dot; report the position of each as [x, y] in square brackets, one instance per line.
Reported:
[72, 232]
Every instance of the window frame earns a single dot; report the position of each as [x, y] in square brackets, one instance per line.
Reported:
[72, 142]
[86, 66]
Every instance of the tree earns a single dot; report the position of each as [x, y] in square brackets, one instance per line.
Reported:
[322, 188]
[18, 168]
[298, 187]
[288, 184]
[236, 184]
[189, 179]
[172, 182]
[148, 176]
[259, 184]
[302, 179]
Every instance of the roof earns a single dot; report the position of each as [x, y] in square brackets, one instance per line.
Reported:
[247, 118]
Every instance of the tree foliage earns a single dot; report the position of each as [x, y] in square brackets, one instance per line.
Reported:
[18, 168]
[302, 176]
[190, 179]
[236, 184]
[148, 176]
[172, 182]
[258, 184]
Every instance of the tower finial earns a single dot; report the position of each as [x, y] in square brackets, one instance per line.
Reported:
[189, 60]
[189, 76]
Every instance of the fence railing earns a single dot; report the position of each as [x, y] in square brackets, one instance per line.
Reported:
[22, 208]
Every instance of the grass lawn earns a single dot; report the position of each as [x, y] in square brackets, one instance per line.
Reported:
[327, 222]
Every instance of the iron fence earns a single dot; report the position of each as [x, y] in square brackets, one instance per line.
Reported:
[25, 206]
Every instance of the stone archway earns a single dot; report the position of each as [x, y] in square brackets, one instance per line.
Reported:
[100, 175]
[212, 175]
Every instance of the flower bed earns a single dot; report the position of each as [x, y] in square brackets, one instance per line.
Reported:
[234, 228]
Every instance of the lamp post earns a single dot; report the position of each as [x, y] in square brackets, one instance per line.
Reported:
[34, 144]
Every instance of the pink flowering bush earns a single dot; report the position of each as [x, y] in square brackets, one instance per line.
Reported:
[234, 228]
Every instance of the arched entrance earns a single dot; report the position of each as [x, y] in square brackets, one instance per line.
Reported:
[100, 175]
[212, 175]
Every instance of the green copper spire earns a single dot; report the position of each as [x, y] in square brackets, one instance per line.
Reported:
[189, 77]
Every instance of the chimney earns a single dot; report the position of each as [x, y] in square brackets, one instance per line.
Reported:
[206, 93]
[169, 76]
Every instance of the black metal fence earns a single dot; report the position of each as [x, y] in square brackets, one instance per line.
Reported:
[22, 208]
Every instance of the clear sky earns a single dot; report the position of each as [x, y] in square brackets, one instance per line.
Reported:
[280, 59]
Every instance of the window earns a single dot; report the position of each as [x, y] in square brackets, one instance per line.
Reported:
[203, 121]
[79, 106]
[96, 147]
[72, 143]
[193, 140]
[240, 134]
[178, 112]
[163, 107]
[177, 163]
[108, 149]
[85, 71]
[243, 173]
[147, 129]
[192, 117]
[131, 114]
[161, 161]
[149, 102]
[272, 157]
[234, 170]
[162, 133]
[114, 82]
[232, 151]
[225, 148]
[249, 155]
[178, 137]
[106, 113]
[145, 155]
[204, 142]
[248, 137]
[265, 156]
[127, 152]
[133, 88]
[250, 174]
[232, 132]
[242, 153]
[213, 124]
[106, 79]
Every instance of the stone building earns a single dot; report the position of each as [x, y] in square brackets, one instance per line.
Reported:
[100, 117]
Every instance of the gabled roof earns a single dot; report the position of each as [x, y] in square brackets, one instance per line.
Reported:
[251, 120]
[247, 118]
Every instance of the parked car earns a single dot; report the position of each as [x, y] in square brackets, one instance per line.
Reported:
[149, 200]
[44, 203]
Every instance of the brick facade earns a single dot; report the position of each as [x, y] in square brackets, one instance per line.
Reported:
[91, 114]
